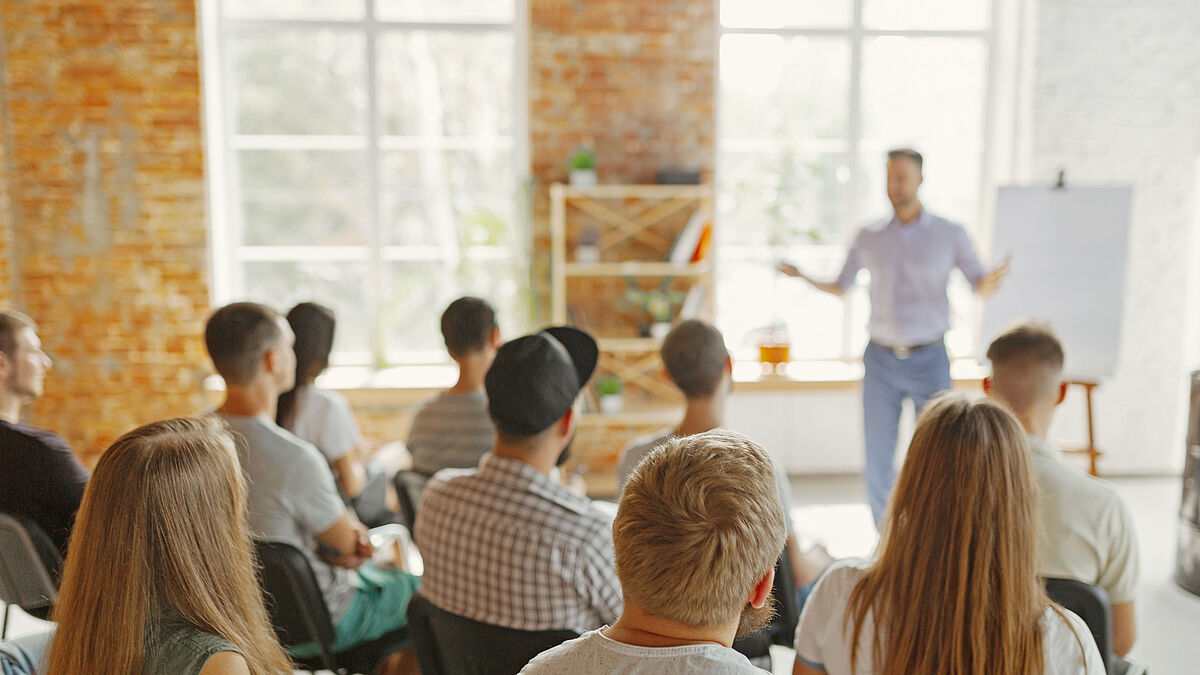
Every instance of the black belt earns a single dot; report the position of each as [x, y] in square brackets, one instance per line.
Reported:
[905, 351]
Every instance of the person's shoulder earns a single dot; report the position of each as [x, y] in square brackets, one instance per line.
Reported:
[1082, 490]
[1067, 641]
[841, 576]
[33, 436]
[940, 223]
[325, 398]
[566, 656]
[181, 648]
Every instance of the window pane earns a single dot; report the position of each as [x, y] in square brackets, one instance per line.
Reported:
[294, 9]
[418, 292]
[447, 198]
[303, 197]
[342, 286]
[921, 90]
[927, 14]
[785, 13]
[441, 83]
[782, 198]
[783, 88]
[445, 10]
[298, 82]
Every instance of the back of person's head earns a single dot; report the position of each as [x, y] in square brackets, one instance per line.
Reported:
[467, 326]
[955, 586]
[699, 524]
[237, 336]
[1027, 366]
[695, 357]
[12, 322]
[161, 533]
[313, 326]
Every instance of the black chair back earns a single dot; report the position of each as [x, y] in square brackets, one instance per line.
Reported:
[1091, 604]
[293, 598]
[28, 564]
[782, 629]
[448, 644]
[409, 485]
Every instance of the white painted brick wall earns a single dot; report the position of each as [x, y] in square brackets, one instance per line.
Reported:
[1116, 100]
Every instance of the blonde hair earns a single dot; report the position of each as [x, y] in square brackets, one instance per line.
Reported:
[161, 534]
[700, 522]
[955, 587]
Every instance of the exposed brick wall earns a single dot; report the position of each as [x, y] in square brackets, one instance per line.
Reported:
[631, 80]
[106, 202]
[1116, 101]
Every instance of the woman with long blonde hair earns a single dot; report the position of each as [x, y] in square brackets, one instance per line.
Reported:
[954, 587]
[160, 574]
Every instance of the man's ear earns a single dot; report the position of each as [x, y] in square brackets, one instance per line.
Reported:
[729, 365]
[494, 339]
[567, 422]
[270, 360]
[987, 386]
[762, 590]
[1062, 393]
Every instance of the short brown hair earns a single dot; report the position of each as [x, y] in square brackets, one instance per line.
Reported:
[909, 154]
[700, 522]
[1027, 362]
[694, 355]
[237, 336]
[467, 324]
[11, 323]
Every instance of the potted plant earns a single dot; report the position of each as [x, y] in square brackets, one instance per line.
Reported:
[659, 303]
[581, 168]
[587, 247]
[608, 389]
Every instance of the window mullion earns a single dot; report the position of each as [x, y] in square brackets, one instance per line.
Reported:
[375, 273]
[854, 139]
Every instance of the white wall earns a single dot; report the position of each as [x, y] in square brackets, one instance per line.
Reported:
[1116, 100]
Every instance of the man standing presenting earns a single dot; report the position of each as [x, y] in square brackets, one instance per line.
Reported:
[910, 257]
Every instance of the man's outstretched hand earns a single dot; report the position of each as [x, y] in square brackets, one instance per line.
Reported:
[991, 281]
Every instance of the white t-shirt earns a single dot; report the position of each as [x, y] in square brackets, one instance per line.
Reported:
[593, 652]
[324, 418]
[1087, 532]
[823, 644]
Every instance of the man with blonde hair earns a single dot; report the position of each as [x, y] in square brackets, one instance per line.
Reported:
[697, 533]
[1087, 531]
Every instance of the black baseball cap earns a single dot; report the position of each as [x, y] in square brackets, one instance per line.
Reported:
[535, 379]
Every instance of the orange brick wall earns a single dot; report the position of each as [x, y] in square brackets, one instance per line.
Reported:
[104, 173]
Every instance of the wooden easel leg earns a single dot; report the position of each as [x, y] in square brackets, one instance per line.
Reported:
[1093, 453]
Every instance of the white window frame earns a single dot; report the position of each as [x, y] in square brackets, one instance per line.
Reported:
[1000, 124]
[227, 254]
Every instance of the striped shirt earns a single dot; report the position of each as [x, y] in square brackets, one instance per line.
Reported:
[505, 545]
[450, 431]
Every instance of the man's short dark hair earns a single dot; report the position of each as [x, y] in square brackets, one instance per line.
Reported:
[11, 323]
[237, 336]
[907, 153]
[467, 325]
[1028, 342]
[694, 355]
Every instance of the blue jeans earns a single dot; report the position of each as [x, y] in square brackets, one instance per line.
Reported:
[887, 381]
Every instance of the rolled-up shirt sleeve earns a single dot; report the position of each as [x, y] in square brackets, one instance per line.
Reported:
[854, 262]
[965, 258]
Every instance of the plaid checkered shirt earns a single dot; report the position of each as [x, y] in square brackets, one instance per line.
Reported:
[505, 545]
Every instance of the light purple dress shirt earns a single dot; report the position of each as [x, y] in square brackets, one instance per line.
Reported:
[910, 266]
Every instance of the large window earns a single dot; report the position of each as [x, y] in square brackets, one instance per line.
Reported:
[811, 96]
[363, 156]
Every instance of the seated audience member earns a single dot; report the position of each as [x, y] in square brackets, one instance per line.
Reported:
[954, 586]
[503, 543]
[453, 430]
[704, 502]
[160, 578]
[292, 495]
[324, 418]
[1087, 532]
[697, 362]
[41, 478]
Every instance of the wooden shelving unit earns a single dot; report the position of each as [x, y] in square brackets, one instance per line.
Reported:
[635, 227]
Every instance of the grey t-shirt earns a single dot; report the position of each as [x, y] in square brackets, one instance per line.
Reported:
[640, 447]
[293, 499]
[451, 431]
[174, 647]
[594, 653]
